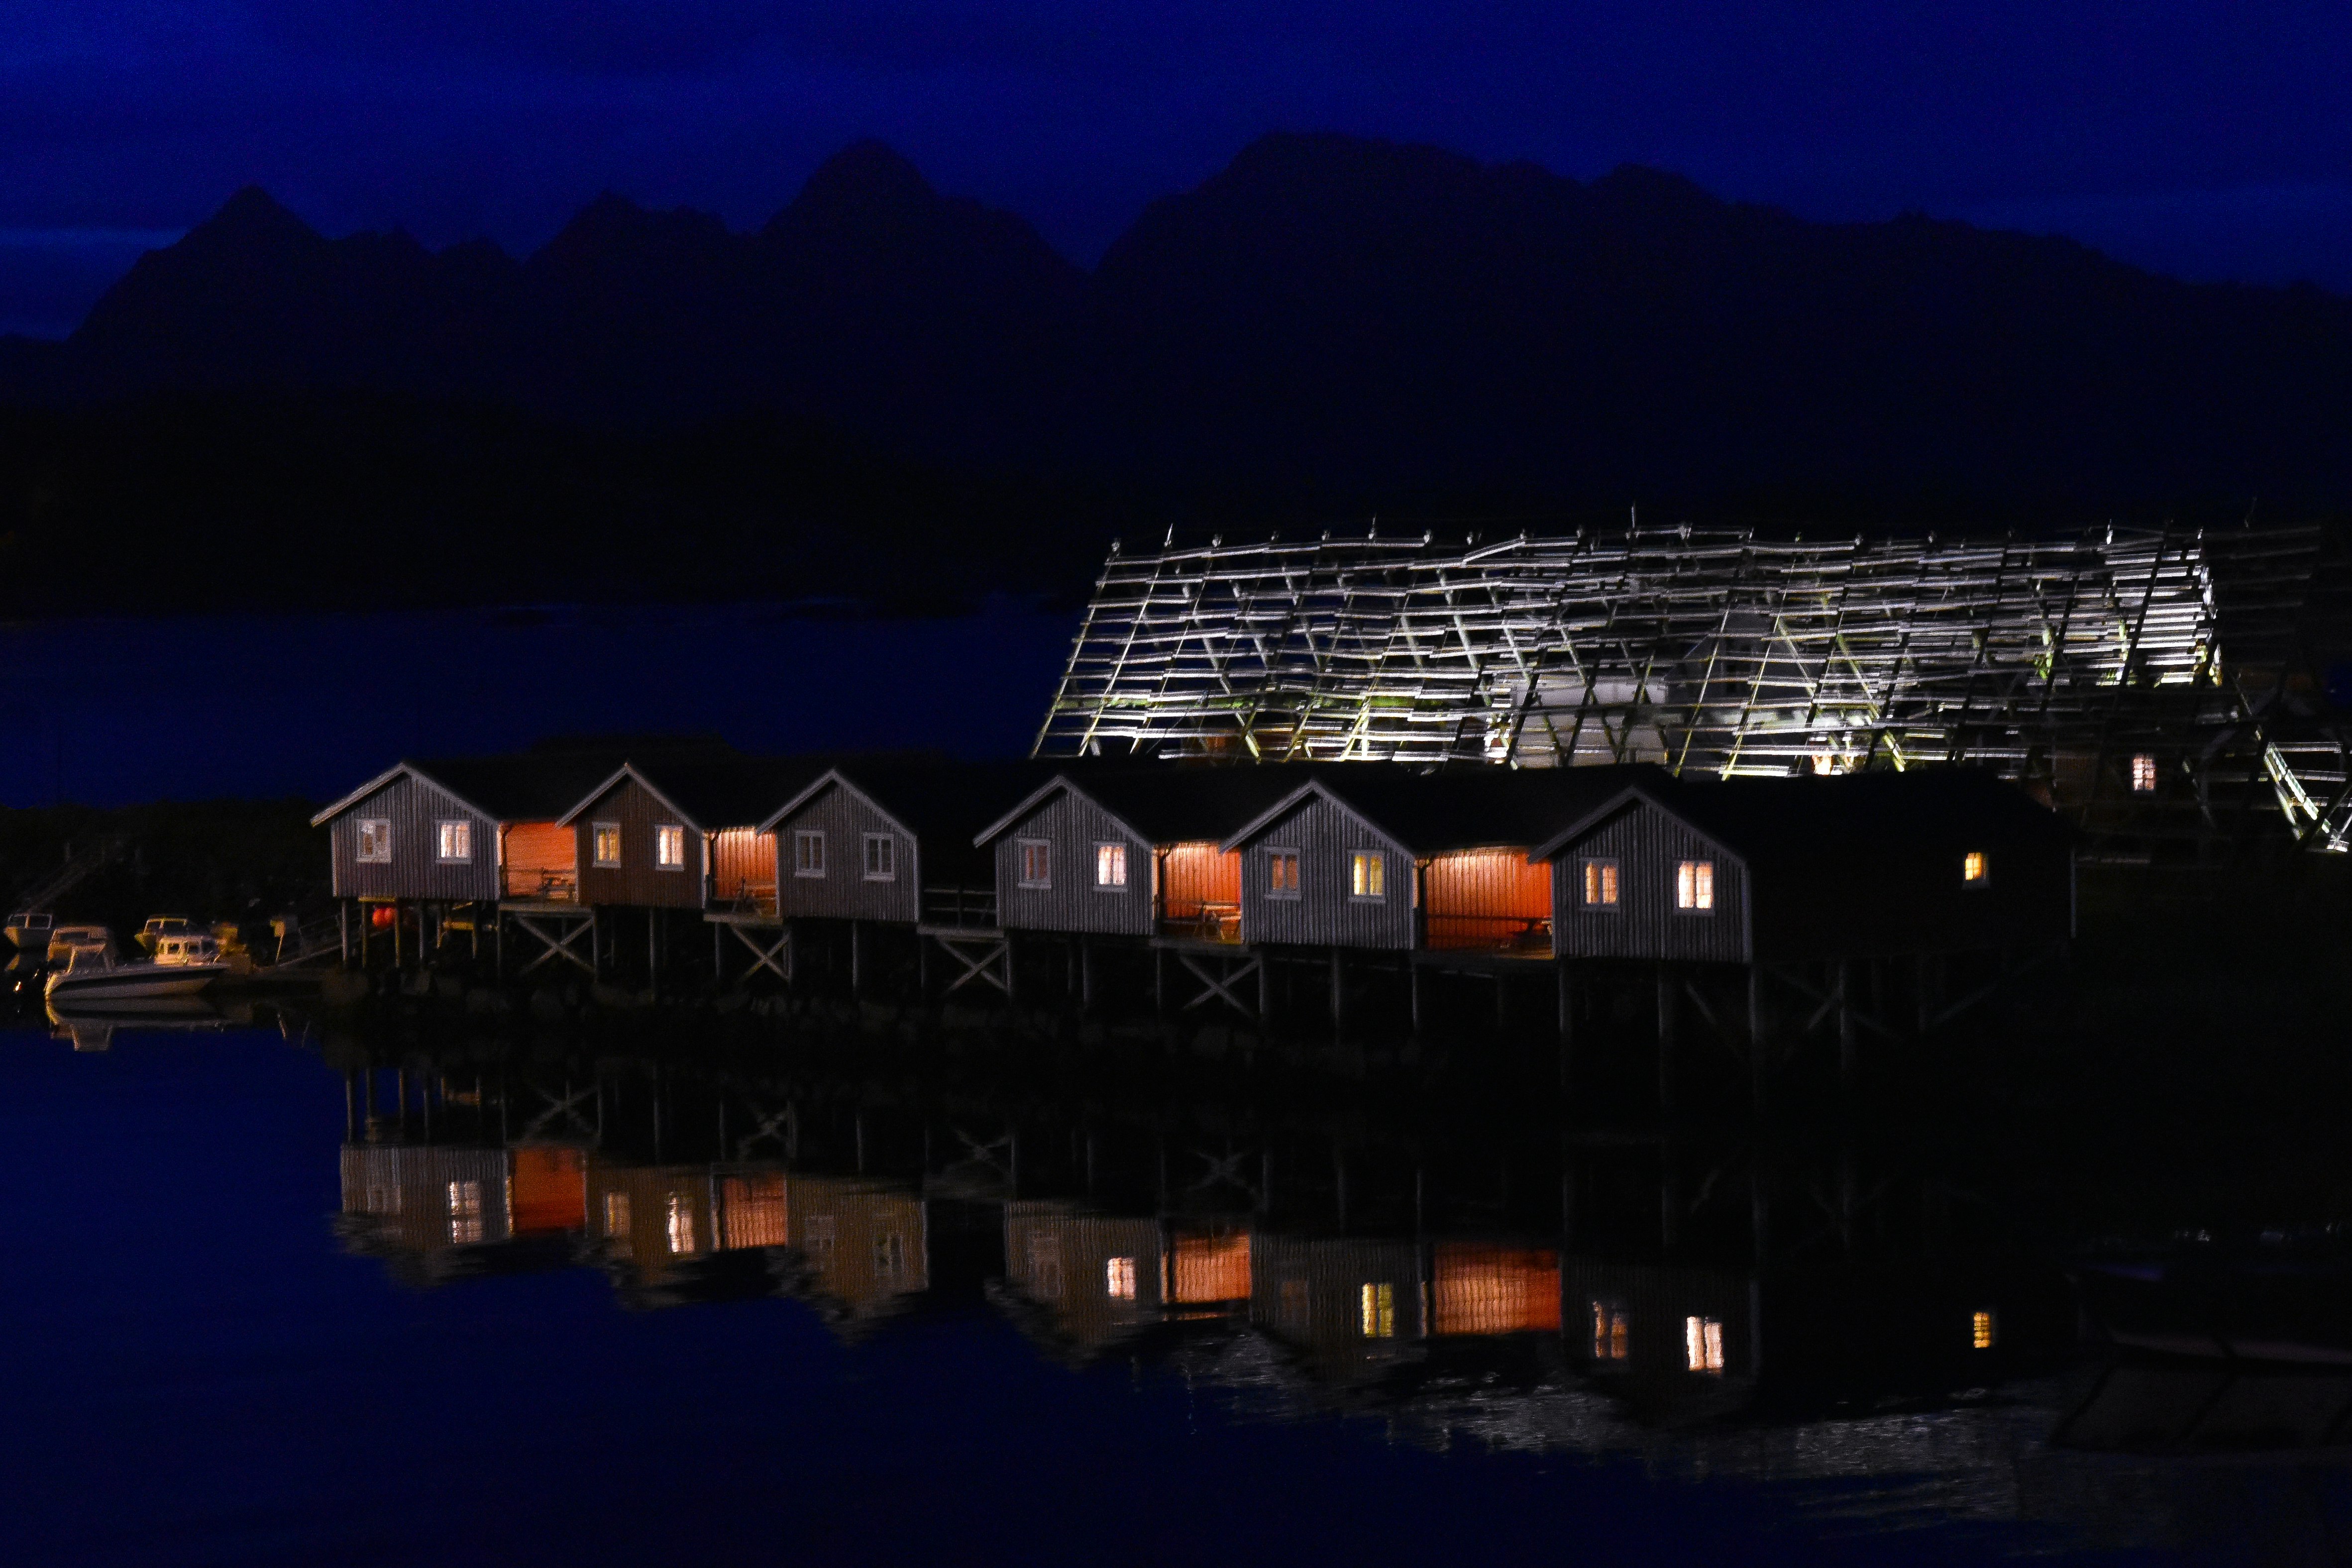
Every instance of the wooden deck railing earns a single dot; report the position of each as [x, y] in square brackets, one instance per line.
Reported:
[973, 906]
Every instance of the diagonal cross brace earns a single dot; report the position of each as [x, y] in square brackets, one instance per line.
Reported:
[557, 946]
[765, 957]
[1220, 990]
[994, 952]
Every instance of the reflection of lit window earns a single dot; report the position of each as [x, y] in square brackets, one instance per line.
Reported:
[464, 1211]
[1380, 1311]
[1694, 886]
[1600, 884]
[1282, 873]
[1973, 868]
[1980, 1332]
[607, 841]
[456, 841]
[890, 1259]
[881, 858]
[1367, 875]
[681, 1223]
[384, 1200]
[817, 1240]
[669, 848]
[375, 841]
[2143, 774]
[1110, 866]
[1294, 1305]
[1036, 864]
[808, 853]
[1119, 1279]
[1703, 1338]
[1612, 1331]
[616, 1214]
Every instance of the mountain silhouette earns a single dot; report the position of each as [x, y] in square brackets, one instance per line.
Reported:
[1327, 325]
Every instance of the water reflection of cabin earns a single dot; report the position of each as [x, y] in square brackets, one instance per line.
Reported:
[1379, 857]
[1934, 860]
[439, 1208]
[459, 831]
[1099, 1277]
[1132, 852]
[1680, 1341]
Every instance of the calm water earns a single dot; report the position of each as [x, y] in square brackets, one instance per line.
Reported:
[114, 712]
[633, 1302]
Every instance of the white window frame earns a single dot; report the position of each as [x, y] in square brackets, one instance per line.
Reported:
[1694, 886]
[1377, 859]
[383, 854]
[596, 832]
[1274, 854]
[2143, 773]
[808, 853]
[1043, 875]
[441, 834]
[888, 868]
[1596, 875]
[662, 842]
[1111, 855]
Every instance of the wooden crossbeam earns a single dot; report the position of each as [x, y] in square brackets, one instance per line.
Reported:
[1220, 990]
[557, 946]
[766, 957]
[991, 959]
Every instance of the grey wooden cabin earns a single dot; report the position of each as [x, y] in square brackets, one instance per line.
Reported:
[1132, 851]
[679, 833]
[893, 842]
[441, 831]
[1371, 856]
[1868, 864]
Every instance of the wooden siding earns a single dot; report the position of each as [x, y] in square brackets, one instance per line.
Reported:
[1647, 845]
[636, 881]
[1658, 1300]
[652, 1216]
[1324, 914]
[416, 870]
[1486, 899]
[1073, 827]
[754, 1210]
[540, 860]
[743, 869]
[413, 1192]
[843, 892]
[866, 1242]
[1479, 1288]
[1200, 891]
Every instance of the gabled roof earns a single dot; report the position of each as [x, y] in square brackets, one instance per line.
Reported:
[1167, 802]
[943, 802]
[516, 787]
[1434, 812]
[710, 793]
[1756, 817]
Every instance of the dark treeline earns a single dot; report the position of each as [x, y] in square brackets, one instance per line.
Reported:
[885, 390]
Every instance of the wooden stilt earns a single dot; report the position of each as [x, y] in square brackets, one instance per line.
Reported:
[1665, 1038]
[1086, 976]
[1758, 1047]
[1338, 995]
[1567, 979]
[343, 926]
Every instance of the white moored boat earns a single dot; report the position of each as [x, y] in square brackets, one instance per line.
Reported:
[182, 966]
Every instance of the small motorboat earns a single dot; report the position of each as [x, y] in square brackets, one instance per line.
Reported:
[181, 966]
[78, 944]
[30, 931]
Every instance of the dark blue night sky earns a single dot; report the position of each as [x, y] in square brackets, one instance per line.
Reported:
[2209, 139]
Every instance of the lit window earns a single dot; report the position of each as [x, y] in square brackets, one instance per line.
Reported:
[1110, 866]
[1612, 1331]
[375, 841]
[1036, 864]
[808, 853]
[464, 1211]
[1380, 1311]
[456, 841]
[1973, 870]
[681, 1223]
[669, 848]
[1980, 1332]
[1703, 1338]
[2143, 774]
[1824, 763]
[1119, 1279]
[1600, 884]
[616, 1214]
[881, 858]
[1367, 875]
[607, 843]
[1282, 873]
[1694, 886]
